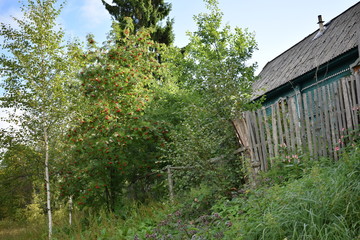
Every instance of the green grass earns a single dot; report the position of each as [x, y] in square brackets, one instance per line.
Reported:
[10, 230]
[322, 204]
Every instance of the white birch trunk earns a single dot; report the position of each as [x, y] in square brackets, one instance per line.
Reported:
[47, 180]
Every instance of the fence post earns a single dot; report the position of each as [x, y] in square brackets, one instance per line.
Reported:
[170, 182]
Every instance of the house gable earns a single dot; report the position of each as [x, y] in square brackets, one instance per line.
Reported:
[314, 59]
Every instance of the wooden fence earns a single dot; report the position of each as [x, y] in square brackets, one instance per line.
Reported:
[317, 121]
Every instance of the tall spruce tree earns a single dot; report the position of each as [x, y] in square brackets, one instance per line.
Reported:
[144, 13]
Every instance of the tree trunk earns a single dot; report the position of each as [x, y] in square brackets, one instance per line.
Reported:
[70, 210]
[47, 180]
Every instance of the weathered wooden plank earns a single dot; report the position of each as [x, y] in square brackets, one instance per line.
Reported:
[297, 118]
[332, 115]
[285, 122]
[274, 131]
[291, 114]
[339, 112]
[341, 107]
[347, 103]
[268, 135]
[307, 116]
[253, 152]
[316, 124]
[257, 137]
[279, 124]
[353, 109]
[322, 130]
[264, 165]
[326, 110]
[312, 106]
[357, 82]
[301, 128]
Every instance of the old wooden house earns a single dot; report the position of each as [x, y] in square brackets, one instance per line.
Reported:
[312, 96]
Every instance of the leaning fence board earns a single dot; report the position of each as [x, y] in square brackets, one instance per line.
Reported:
[327, 120]
[317, 120]
[316, 124]
[268, 135]
[296, 119]
[262, 140]
[285, 123]
[353, 95]
[357, 82]
[321, 133]
[347, 103]
[342, 107]
[312, 122]
[301, 119]
[291, 124]
[253, 138]
[307, 122]
[274, 130]
[332, 118]
[256, 137]
[279, 125]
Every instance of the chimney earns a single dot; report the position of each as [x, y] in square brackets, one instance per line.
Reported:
[321, 24]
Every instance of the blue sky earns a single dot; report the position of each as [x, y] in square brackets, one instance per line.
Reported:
[278, 24]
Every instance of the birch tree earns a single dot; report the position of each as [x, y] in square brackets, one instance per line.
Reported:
[37, 74]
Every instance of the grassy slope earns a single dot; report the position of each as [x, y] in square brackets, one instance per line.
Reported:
[323, 204]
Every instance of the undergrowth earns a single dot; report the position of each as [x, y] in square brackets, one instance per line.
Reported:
[322, 201]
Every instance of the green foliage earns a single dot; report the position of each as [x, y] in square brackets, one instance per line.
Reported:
[215, 81]
[323, 204]
[145, 14]
[38, 73]
[115, 142]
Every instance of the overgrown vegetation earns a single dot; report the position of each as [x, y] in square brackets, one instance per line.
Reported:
[141, 106]
[322, 203]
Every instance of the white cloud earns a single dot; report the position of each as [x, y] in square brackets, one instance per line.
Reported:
[94, 12]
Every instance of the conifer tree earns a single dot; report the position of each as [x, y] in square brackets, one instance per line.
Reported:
[144, 13]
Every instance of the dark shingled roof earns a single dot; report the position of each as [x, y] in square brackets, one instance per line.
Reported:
[342, 34]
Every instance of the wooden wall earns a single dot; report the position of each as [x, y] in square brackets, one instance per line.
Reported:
[317, 121]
